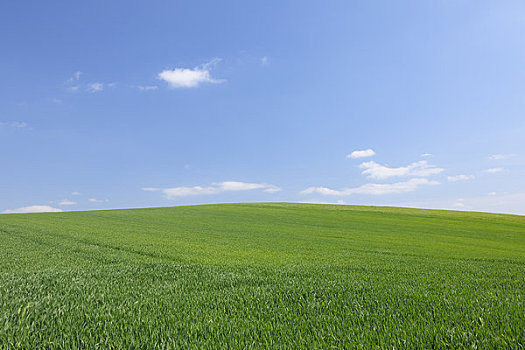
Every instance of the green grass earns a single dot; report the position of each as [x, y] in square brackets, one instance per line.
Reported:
[262, 275]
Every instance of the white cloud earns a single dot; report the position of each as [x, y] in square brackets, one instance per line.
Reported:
[67, 202]
[377, 171]
[189, 78]
[493, 170]
[95, 87]
[14, 124]
[510, 203]
[459, 203]
[425, 155]
[94, 200]
[147, 87]
[375, 189]
[499, 156]
[460, 178]
[215, 188]
[33, 209]
[361, 153]
[75, 193]
[264, 60]
[339, 202]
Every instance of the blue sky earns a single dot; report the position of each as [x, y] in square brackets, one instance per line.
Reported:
[118, 104]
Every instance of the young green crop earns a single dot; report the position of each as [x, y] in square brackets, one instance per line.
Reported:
[262, 275]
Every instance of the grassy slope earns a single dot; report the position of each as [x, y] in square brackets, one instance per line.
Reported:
[246, 275]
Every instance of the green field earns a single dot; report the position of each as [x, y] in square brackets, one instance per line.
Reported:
[262, 275]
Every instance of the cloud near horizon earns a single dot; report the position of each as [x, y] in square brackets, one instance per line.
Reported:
[67, 202]
[94, 200]
[215, 188]
[189, 78]
[33, 209]
[377, 171]
[375, 189]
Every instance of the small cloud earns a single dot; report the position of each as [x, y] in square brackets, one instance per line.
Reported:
[13, 124]
[75, 77]
[426, 155]
[459, 204]
[499, 156]
[492, 193]
[493, 170]
[215, 188]
[361, 153]
[95, 87]
[151, 189]
[374, 189]
[189, 78]
[33, 209]
[460, 178]
[264, 60]
[75, 193]
[377, 171]
[72, 82]
[74, 85]
[94, 200]
[147, 87]
[67, 202]
[57, 101]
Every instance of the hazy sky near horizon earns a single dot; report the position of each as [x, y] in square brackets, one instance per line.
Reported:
[118, 104]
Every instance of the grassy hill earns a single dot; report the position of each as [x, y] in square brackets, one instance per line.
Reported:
[262, 275]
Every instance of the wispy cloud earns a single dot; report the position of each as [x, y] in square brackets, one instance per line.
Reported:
[75, 193]
[375, 189]
[33, 209]
[361, 153]
[94, 200]
[377, 171]
[95, 87]
[500, 156]
[147, 87]
[426, 155]
[73, 84]
[190, 77]
[215, 188]
[511, 203]
[66, 202]
[13, 124]
[493, 170]
[74, 77]
[460, 177]
[264, 60]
